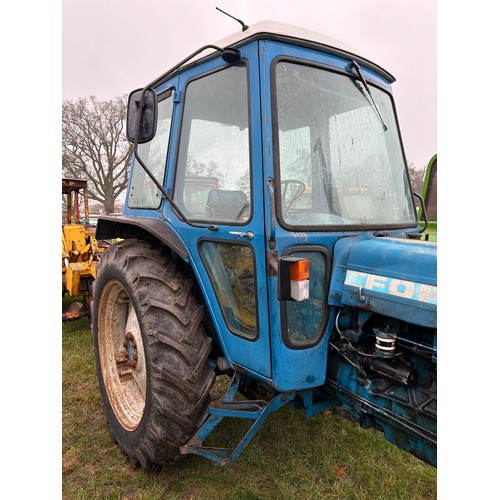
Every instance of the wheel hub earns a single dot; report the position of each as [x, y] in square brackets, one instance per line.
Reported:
[131, 346]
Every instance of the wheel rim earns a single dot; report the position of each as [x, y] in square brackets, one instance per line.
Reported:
[121, 354]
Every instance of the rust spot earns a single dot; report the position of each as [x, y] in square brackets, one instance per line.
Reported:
[121, 357]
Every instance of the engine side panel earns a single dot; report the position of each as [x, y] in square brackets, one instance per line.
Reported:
[390, 276]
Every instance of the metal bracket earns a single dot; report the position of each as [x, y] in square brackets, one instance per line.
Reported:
[257, 411]
[177, 96]
[272, 233]
[272, 263]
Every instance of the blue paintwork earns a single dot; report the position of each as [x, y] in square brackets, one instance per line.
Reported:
[412, 260]
[255, 355]
[268, 358]
[130, 350]
[434, 354]
[390, 413]
[262, 409]
[294, 369]
[407, 277]
[313, 408]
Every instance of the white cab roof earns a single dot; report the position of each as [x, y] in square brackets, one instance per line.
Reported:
[272, 29]
[275, 28]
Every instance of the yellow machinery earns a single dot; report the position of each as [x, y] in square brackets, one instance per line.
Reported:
[79, 249]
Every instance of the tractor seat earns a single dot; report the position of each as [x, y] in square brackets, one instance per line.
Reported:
[225, 204]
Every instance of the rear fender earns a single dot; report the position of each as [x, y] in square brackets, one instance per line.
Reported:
[154, 230]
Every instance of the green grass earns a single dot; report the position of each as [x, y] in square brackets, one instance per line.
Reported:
[290, 457]
[431, 231]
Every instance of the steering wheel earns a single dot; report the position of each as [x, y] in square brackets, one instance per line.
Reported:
[240, 213]
[285, 184]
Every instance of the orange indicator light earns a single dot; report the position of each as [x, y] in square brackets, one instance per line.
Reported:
[299, 270]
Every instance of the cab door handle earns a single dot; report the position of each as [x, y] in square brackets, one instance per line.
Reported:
[248, 235]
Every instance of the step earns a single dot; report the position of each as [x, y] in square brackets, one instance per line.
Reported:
[251, 409]
[257, 410]
[221, 456]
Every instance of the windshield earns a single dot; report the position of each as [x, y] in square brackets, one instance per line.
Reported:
[337, 164]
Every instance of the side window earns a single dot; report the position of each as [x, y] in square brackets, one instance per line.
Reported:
[143, 192]
[213, 166]
[232, 272]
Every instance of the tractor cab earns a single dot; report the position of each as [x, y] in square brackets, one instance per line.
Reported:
[305, 147]
[273, 169]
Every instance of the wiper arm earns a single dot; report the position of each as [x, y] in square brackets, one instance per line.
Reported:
[355, 65]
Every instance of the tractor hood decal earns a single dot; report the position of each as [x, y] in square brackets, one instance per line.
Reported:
[391, 276]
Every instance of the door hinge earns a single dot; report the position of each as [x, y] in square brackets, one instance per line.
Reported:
[272, 263]
[177, 96]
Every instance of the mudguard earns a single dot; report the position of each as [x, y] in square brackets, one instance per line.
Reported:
[120, 226]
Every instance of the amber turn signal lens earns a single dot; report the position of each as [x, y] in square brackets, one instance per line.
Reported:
[299, 270]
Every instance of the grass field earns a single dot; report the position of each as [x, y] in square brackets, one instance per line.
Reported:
[291, 457]
[431, 232]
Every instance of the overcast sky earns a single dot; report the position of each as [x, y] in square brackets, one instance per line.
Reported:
[114, 46]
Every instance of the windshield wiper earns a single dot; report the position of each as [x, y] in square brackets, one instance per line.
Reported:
[355, 65]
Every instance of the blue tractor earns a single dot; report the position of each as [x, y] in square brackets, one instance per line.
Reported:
[270, 236]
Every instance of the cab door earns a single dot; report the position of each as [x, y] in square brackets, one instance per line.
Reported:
[217, 182]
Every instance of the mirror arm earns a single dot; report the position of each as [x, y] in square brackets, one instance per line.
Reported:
[151, 86]
[424, 211]
[168, 197]
[168, 73]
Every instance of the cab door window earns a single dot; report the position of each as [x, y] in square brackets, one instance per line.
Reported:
[231, 268]
[213, 164]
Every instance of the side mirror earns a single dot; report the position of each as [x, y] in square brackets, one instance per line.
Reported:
[141, 121]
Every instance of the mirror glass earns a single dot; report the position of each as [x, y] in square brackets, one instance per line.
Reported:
[141, 123]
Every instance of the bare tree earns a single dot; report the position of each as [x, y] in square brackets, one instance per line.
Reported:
[416, 177]
[198, 168]
[94, 146]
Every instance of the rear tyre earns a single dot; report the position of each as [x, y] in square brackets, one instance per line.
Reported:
[151, 352]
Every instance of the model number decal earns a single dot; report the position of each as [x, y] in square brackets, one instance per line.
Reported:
[393, 286]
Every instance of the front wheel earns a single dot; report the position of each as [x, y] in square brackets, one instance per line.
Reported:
[151, 352]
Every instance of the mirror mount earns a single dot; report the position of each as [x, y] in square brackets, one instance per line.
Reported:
[424, 212]
[142, 115]
[231, 55]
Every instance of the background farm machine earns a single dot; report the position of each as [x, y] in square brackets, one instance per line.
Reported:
[79, 249]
